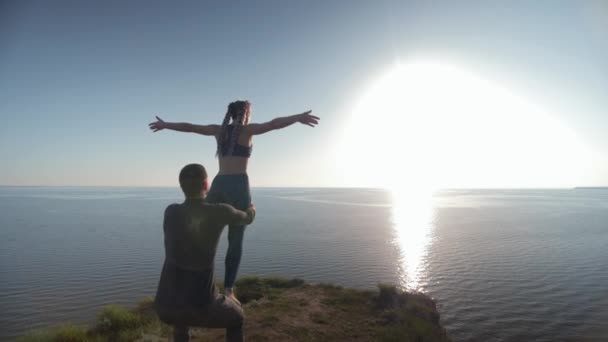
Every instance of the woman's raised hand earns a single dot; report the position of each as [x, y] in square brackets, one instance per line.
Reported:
[157, 125]
[307, 119]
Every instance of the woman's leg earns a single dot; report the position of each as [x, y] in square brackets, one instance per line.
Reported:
[233, 256]
[242, 200]
[216, 192]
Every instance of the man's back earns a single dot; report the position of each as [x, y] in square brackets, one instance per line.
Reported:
[192, 231]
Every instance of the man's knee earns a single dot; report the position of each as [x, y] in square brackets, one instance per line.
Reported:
[234, 315]
[237, 316]
[224, 313]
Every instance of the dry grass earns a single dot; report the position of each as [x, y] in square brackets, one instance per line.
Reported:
[283, 310]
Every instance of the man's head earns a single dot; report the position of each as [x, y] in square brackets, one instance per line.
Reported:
[193, 180]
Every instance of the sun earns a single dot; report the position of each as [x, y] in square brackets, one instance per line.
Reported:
[427, 125]
[423, 126]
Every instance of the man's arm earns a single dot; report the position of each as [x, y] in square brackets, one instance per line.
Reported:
[230, 215]
[184, 127]
[169, 218]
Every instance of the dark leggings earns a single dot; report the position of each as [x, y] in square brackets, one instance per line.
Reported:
[234, 190]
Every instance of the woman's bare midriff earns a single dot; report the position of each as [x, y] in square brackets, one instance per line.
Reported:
[232, 165]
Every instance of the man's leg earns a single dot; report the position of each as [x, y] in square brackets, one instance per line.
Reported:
[233, 256]
[181, 334]
[224, 312]
[235, 334]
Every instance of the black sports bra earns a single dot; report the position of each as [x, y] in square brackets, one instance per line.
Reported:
[238, 150]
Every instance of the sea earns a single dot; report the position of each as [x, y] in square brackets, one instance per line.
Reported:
[502, 265]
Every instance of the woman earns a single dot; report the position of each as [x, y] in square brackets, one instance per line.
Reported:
[231, 185]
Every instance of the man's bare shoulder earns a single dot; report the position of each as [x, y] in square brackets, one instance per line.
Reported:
[212, 209]
[172, 208]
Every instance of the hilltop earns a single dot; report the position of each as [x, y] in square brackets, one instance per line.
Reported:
[281, 310]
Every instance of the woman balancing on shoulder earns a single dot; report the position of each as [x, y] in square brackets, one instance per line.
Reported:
[231, 185]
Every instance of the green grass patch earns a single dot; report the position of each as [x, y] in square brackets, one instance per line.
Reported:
[114, 319]
[329, 286]
[283, 283]
[388, 296]
[62, 333]
[254, 288]
[345, 298]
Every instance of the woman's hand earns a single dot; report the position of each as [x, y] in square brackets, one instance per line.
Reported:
[158, 125]
[307, 119]
[250, 213]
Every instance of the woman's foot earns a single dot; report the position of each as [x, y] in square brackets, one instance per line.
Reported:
[229, 292]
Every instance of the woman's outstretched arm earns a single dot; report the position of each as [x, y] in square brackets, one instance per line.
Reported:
[184, 127]
[304, 118]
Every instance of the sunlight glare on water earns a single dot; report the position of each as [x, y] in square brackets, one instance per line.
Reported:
[412, 218]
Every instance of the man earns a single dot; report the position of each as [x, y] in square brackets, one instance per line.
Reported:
[186, 294]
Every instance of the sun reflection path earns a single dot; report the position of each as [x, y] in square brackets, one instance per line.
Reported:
[412, 217]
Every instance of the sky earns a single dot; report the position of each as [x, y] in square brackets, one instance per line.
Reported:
[81, 80]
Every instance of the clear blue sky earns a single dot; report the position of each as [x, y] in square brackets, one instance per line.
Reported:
[80, 80]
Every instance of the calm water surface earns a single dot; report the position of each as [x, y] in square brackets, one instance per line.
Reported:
[503, 265]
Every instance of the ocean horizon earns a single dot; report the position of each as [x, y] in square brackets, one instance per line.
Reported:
[502, 264]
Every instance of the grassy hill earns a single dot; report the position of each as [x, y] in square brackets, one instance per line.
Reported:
[280, 310]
